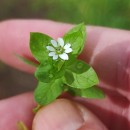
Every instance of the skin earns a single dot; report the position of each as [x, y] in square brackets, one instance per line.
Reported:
[107, 50]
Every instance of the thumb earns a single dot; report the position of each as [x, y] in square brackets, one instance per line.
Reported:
[66, 115]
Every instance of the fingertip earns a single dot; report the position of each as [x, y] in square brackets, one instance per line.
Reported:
[66, 115]
[17, 108]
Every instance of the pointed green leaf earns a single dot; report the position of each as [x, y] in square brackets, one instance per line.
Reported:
[84, 80]
[38, 43]
[45, 93]
[45, 72]
[78, 67]
[27, 61]
[76, 37]
[69, 78]
[93, 92]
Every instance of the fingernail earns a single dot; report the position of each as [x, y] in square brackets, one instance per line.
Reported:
[65, 115]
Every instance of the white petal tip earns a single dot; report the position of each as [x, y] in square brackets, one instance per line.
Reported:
[60, 41]
[47, 47]
[50, 48]
[68, 50]
[55, 57]
[64, 56]
[54, 43]
[67, 46]
[52, 53]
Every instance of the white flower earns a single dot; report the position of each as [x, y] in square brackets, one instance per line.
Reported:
[59, 49]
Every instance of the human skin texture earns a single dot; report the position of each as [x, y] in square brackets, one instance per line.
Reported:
[107, 50]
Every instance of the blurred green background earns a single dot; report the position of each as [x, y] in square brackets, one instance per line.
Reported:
[112, 13]
[109, 13]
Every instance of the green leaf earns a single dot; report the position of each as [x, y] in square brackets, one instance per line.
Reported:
[45, 93]
[38, 43]
[84, 80]
[69, 78]
[78, 67]
[76, 37]
[27, 61]
[93, 92]
[45, 72]
[60, 65]
[72, 60]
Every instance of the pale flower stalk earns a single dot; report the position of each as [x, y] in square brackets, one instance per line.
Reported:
[59, 49]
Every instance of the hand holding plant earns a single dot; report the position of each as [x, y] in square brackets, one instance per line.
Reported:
[104, 49]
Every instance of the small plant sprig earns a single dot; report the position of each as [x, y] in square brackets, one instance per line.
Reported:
[59, 69]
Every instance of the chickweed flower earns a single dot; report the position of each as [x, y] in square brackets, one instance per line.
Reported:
[59, 49]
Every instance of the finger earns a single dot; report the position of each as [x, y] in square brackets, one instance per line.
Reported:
[15, 34]
[18, 108]
[113, 110]
[66, 115]
[107, 50]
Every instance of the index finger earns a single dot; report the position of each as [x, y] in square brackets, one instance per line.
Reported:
[14, 35]
[107, 50]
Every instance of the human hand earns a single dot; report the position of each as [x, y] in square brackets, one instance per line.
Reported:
[107, 50]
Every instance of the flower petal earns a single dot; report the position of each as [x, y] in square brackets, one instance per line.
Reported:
[60, 41]
[64, 56]
[67, 46]
[54, 43]
[50, 48]
[52, 53]
[55, 57]
[68, 50]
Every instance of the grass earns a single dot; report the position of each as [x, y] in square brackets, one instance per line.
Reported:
[110, 13]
